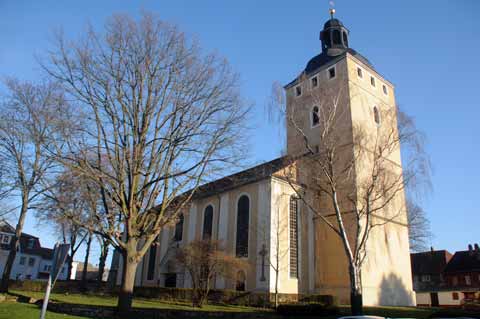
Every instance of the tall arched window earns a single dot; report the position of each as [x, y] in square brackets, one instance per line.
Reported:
[376, 115]
[240, 284]
[207, 222]
[336, 37]
[243, 215]
[315, 116]
[293, 237]
[179, 229]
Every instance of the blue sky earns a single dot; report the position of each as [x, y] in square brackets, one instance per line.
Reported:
[428, 49]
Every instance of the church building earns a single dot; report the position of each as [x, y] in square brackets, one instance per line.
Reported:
[257, 214]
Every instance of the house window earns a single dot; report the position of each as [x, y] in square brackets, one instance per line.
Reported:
[22, 260]
[331, 73]
[376, 115]
[6, 239]
[171, 280]
[243, 216]
[31, 261]
[360, 73]
[240, 284]
[372, 81]
[454, 280]
[179, 229]
[298, 90]
[468, 281]
[151, 261]
[293, 237]
[315, 116]
[29, 277]
[425, 278]
[207, 222]
[385, 90]
[455, 295]
[314, 81]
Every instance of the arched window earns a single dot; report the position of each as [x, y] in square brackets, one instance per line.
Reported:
[240, 284]
[293, 237]
[345, 39]
[315, 116]
[376, 115]
[179, 229]
[336, 37]
[243, 215]
[207, 222]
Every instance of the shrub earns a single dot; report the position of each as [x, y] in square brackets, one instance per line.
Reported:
[328, 300]
[307, 309]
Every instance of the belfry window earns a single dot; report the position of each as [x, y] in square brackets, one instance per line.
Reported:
[385, 91]
[345, 39]
[207, 223]
[293, 237]
[331, 73]
[298, 90]
[315, 116]
[360, 73]
[243, 216]
[376, 115]
[179, 229]
[336, 37]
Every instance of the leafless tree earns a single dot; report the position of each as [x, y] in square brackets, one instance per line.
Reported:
[160, 117]
[104, 249]
[356, 170]
[418, 227]
[277, 232]
[204, 260]
[64, 201]
[30, 115]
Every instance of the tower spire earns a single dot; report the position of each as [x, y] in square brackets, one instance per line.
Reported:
[332, 9]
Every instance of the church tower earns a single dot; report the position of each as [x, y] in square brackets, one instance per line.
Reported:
[340, 78]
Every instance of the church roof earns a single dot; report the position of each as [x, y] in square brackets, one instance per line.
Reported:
[247, 176]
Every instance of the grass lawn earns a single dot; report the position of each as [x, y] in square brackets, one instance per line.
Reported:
[15, 310]
[21, 310]
[137, 302]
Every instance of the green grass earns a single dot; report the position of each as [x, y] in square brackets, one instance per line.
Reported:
[19, 310]
[97, 300]
[14, 310]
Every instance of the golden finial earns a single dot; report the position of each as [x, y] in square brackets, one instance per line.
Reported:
[332, 9]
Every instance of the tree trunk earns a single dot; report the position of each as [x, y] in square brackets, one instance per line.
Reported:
[276, 289]
[125, 296]
[85, 262]
[14, 245]
[102, 261]
[356, 299]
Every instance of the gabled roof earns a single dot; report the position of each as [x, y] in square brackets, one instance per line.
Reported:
[464, 261]
[429, 262]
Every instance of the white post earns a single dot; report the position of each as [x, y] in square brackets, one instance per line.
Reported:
[45, 300]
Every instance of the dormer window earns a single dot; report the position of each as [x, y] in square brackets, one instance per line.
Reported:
[331, 73]
[315, 116]
[314, 82]
[298, 90]
[30, 243]
[372, 81]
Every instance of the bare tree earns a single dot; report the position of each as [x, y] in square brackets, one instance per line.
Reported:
[161, 116]
[418, 227]
[64, 199]
[30, 115]
[356, 170]
[104, 249]
[204, 260]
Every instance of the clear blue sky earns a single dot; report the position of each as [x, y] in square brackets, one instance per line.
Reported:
[428, 49]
